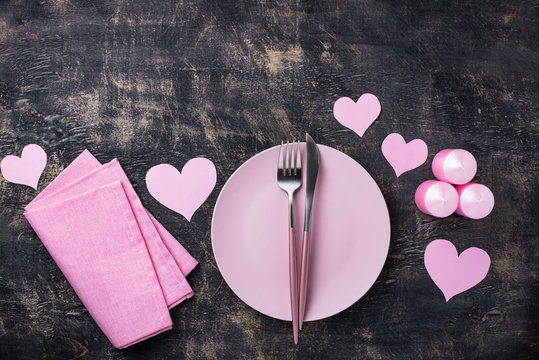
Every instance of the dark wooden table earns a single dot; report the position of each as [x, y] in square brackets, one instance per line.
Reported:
[164, 81]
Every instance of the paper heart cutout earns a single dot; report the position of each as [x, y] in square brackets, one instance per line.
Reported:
[452, 273]
[27, 169]
[182, 192]
[357, 116]
[401, 156]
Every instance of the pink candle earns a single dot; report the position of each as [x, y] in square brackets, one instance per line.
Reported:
[455, 166]
[475, 200]
[436, 198]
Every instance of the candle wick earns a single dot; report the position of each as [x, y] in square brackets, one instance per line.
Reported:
[442, 203]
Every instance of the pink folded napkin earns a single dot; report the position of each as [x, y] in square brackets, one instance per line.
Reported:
[126, 268]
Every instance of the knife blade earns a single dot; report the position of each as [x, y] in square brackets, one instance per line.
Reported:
[312, 174]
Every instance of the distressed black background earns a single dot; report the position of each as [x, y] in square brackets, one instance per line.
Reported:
[164, 81]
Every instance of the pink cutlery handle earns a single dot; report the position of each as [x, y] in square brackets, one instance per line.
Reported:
[293, 272]
[304, 275]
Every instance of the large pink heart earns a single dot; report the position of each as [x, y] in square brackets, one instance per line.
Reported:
[357, 116]
[182, 192]
[402, 156]
[452, 273]
[26, 169]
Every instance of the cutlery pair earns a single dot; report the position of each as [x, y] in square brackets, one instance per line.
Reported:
[289, 178]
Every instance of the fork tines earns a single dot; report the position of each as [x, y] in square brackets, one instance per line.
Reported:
[288, 166]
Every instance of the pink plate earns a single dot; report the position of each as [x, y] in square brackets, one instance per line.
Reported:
[350, 234]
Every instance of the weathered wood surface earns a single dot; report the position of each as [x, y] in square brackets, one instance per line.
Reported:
[164, 81]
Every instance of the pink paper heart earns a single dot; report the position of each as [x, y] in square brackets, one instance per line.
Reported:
[452, 273]
[27, 169]
[357, 116]
[182, 192]
[402, 156]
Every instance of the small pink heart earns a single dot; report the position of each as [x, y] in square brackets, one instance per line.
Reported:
[26, 169]
[452, 273]
[402, 156]
[357, 116]
[182, 192]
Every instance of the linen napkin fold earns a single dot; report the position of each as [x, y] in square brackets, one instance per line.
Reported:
[126, 268]
[84, 164]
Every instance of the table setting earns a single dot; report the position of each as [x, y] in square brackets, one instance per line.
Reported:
[199, 193]
[128, 270]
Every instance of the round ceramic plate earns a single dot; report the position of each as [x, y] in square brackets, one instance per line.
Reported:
[350, 234]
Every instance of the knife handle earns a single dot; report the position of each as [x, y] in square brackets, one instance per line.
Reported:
[293, 274]
[304, 275]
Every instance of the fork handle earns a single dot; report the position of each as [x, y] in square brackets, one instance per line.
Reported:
[293, 274]
[304, 275]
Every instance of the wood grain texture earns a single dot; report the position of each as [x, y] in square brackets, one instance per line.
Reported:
[164, 81]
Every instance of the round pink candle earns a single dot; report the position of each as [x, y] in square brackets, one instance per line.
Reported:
[436, 198]
[455, 166]
[475, 200]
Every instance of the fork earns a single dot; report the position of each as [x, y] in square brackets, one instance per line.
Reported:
[289, 179]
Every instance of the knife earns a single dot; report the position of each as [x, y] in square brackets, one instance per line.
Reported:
[312, 174]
